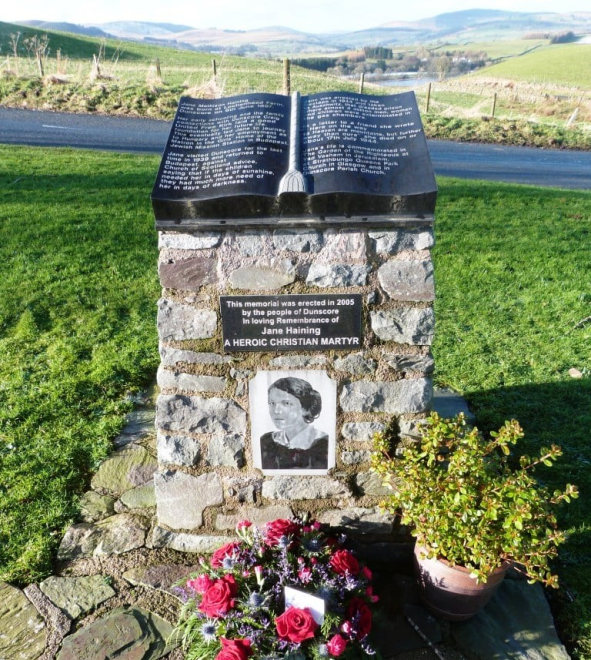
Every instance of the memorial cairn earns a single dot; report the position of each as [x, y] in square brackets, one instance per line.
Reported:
[296, 315]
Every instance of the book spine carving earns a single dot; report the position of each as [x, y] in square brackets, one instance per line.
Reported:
[294, 181]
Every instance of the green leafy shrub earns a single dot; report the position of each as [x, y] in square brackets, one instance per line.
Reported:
[467, 503]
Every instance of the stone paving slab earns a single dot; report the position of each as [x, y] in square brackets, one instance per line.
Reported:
[23, 632]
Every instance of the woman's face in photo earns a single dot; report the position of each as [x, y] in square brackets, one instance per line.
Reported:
[285, 409]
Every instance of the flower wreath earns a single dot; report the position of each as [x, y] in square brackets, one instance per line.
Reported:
[235, 607]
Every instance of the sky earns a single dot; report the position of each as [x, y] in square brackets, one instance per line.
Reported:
[313, 16]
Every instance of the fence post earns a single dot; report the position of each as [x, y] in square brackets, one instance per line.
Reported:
[428, 99]
[158, 71]
[286, 77]
[361, 81]
[214, 67]
[494, 105]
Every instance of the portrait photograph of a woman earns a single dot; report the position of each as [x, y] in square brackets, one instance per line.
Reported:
[299, 437]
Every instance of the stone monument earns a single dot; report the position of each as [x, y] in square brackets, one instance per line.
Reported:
[296, 315]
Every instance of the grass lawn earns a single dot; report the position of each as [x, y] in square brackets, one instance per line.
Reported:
[558, 64]
[78, 290]
[78, 287]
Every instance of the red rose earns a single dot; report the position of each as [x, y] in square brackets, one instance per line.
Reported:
[278, 528]
[217, 559]
[359, 615]
[219, 598]
[200, 584]
[344, 562]
[296, 625]
[336, 645]
[234, 649]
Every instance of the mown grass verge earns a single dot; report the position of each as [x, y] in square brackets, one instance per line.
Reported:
[78, 287]
[78, 292]
[513, 313]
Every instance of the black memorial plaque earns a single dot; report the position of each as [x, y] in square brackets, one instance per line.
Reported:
[267, 155]
[322, 322]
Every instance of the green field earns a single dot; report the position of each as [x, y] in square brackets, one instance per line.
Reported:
[78, 291]
[498, 49]
[566, 65]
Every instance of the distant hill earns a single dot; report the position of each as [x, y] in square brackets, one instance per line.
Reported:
[141, 29]
[73, 28]
[470, 25]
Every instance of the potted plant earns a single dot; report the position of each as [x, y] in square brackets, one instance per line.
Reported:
[475, 510]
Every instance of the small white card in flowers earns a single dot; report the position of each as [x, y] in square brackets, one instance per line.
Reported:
[301, 600]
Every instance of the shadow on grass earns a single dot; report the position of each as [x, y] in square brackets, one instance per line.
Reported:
[558, 413]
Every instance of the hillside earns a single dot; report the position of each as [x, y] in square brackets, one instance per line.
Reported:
[561, 64]
[453, 27]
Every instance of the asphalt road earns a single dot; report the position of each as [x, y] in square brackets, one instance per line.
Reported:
[541, 167]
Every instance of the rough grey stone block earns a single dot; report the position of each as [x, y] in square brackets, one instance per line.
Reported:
[123, 633]
[111, 536]
[188, 274]
[392, 241]
[263, 276]
[178, 322]
[142, 497]
[201, 241]
[172, 356]
[355, 364]
[298, 361]
[516, 623]
[337, 275]
[22, 630]
[408, 280]
[125, 469]
[405, 325]
[303, 488]
[257, 515]
[401, 396]
[344, 246]
[369, 483]
[409, 427]
[355, 457]
[183, 542]
[77, 595]
[182, 498]
[248, 243]
[226, 450]
[362, 431]
[177, 449]
[94, 507]
[194, 414]
[297, 240]
[422, 363]
[176, 380]
[358, 520]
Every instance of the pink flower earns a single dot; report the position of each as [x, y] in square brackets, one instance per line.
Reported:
[368, 574]
[243, 524]
[258, 572]
[370, 594]
[347, 627]
[305, 575]
[336, 645]
[228, 550]
[200, 584]
[316, 525]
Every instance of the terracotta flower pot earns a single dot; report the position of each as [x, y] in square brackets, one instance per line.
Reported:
[449, 592]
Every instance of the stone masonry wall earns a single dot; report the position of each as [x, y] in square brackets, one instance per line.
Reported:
[206, 481]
